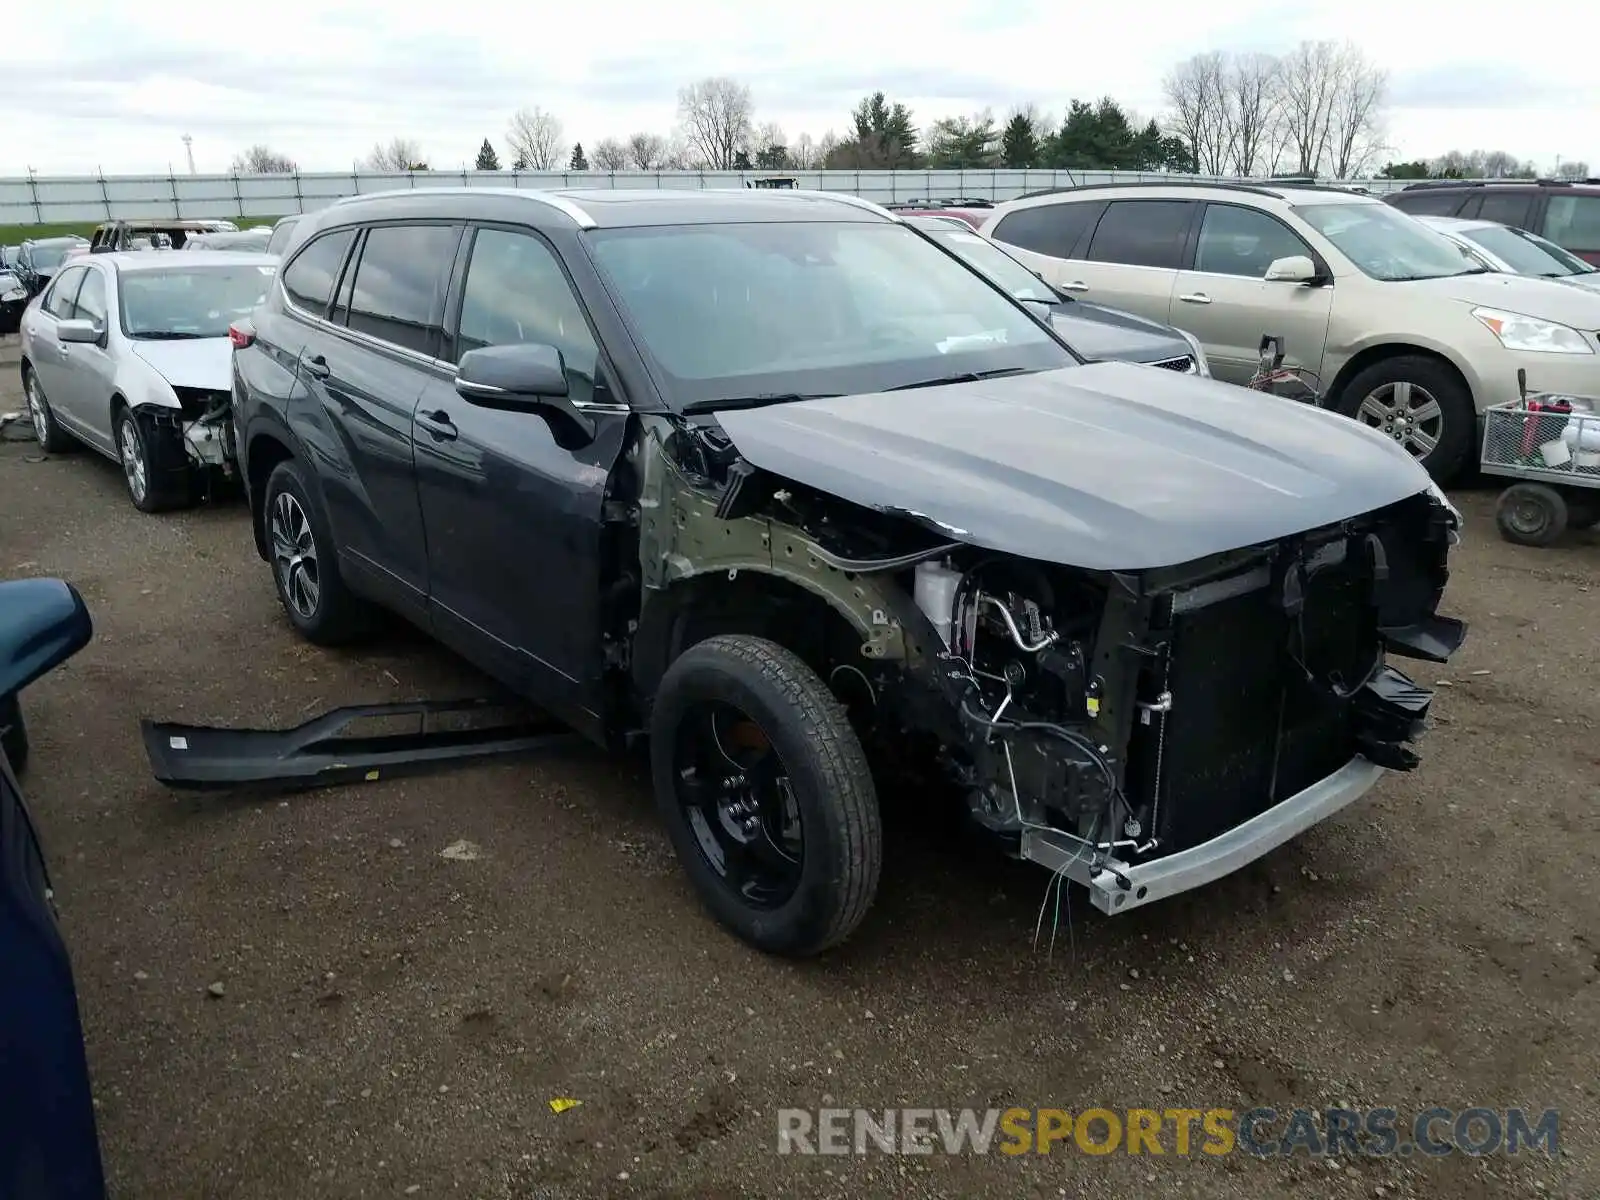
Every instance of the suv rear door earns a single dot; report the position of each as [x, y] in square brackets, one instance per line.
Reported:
[1508, 206]
[1132, 258]
[1225, 300]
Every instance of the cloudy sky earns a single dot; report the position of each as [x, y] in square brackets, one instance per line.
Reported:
[104, 84]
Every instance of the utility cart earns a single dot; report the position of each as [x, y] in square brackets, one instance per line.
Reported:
[1550, 444]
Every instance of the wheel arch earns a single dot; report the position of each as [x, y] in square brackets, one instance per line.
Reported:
[263, 452]
[1372, 355]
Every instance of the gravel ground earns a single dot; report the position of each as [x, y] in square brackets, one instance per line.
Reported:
[395, 1023]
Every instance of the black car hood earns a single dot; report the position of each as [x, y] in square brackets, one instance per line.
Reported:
[1100, 333]
[1110, 466]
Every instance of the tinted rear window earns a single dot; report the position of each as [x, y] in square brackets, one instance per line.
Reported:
[1142, 233]
[1052, 229]
[400, 282]
[1509, 208]
[309, 279]
[1429, 203]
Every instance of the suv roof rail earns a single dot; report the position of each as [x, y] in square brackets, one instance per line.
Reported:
[1425, 184]
[553, 199]
[1255, 188]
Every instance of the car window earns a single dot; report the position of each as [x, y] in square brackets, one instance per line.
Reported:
[1429, 203]
[1243, 241]
[994, 262]
[60, 301]
[280, 237]
[1052, 229]
[92, 298]
[1522, 255]
[811, 308]
[516, 292]
[1386, 244]
[1573, 222]
[1142, 233]
[179, 300]
[309, 279]
[1508, 208]
[400, 283]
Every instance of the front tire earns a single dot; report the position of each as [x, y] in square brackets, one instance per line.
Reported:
[305, 567]
[773, 812]
[154, 464]
[51, 437]
[1422, 404]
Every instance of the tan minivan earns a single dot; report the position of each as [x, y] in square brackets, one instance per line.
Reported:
[1406, 332]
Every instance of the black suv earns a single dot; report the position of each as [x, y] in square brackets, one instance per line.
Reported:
[1566, 213]
[785, 486]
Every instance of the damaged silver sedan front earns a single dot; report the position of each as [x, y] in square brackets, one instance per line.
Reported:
[129, 355]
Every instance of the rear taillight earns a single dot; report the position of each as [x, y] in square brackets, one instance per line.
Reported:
[241, 336]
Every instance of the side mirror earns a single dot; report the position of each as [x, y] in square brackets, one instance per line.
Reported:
[46, 623]
[1296, 268]
[520, 377]
[85, 332]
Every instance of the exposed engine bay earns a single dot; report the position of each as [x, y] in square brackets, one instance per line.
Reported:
[1099, 722]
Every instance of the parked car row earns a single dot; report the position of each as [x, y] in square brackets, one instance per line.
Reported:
[1566, 212]
[785, 485]
[1406, 332]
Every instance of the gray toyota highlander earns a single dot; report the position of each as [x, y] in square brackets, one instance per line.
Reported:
[796, 496]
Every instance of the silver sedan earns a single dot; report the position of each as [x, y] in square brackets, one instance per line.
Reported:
[129, 354]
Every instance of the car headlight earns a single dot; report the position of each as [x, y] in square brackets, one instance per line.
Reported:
[1437, 492]
[1201, 366]
[1517, 332]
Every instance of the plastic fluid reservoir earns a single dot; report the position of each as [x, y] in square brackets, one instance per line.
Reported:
[935, 594]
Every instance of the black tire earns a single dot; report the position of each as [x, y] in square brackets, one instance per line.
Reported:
[155, 466]
[51, 437]
[327, 613]
[13, 733]
[829, 780]
[1455, 428]
[1531, 514]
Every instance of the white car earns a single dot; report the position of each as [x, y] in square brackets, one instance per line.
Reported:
[1515, 251]
[129, 354]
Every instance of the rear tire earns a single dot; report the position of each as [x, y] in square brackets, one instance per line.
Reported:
[1531, 514]
[305, 564]
[816, 769]
[1411, 397]
[13, 733]
[51, 437]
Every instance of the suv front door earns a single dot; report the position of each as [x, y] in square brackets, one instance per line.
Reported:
[1133, 256]
[511, 501]
[1224, 299]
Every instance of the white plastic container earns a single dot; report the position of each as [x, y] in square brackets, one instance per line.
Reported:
[935, 594]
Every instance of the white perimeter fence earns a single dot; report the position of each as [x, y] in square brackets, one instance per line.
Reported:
[41, 199]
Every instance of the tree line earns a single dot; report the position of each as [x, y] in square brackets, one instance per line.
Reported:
[1319, 109]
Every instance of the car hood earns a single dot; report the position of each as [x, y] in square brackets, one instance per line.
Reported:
[1100, 333]
[1109, 466]
[1530, 295]
[200, 363]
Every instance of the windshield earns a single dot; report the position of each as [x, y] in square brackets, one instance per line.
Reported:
[1518, 251]
[994, 262]
[1387, 244]
[48, 257]
[189, 302]
[811, 308]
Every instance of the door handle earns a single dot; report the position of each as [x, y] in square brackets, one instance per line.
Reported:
[1196, 298]
[439, 425]
[316, 366]
[1077, 285]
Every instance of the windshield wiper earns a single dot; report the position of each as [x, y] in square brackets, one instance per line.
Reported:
[961, 377]
[761, 400]
[169, 335]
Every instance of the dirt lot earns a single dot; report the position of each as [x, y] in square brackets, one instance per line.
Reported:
[395, 1023]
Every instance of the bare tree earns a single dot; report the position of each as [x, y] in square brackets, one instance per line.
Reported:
[803, 154]
[1356, 129]
[647, 151]
[263, 160]
[535, 139]
[716, 117]
[679, 154]
[1573, 168]
[1250, 100]
[610, 154]
[399, 154]
[1197, 93]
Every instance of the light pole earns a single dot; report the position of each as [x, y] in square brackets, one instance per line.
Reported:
[188, 149]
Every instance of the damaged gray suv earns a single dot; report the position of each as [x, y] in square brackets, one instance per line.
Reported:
[795, 494]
